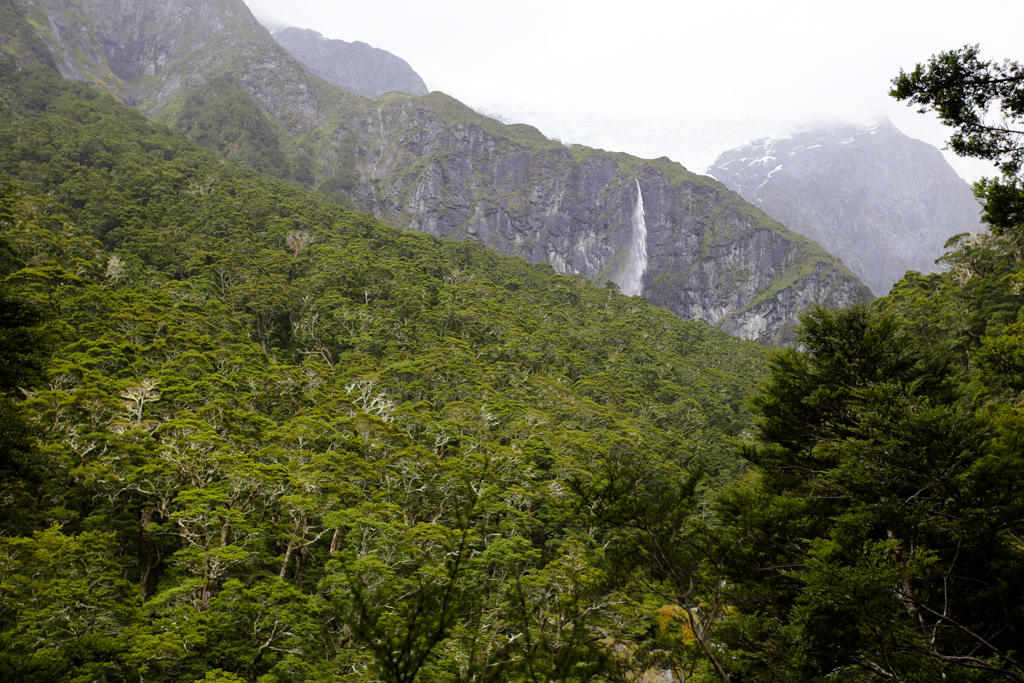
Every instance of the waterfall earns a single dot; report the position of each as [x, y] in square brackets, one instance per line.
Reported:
[636, 263]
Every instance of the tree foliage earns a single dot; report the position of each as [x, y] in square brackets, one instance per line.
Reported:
[983, 101]
[889, 559]
[223, 117]
[882, 520]
[298, 444]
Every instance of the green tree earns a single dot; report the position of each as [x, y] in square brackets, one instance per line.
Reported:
[24, 352]
[983, 101]
[884, 552]
[66, 611]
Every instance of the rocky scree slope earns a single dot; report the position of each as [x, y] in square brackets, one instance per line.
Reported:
[431, 164]
[355, 67]
[883, 202]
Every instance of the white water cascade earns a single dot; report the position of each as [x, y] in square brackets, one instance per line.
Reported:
[636, 263]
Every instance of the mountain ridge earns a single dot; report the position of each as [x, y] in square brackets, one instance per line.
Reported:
[709, 254]
[356, 67]
[880, 200]
[431, 163]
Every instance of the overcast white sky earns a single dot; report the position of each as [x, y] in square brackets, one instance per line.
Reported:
[695, 77]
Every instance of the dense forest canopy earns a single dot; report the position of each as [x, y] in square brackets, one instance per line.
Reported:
[280, 439]
[252, 436]
[885, 526]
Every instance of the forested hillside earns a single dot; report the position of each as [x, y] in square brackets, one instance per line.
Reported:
[248, 435]
[280, 439]
[881, 537]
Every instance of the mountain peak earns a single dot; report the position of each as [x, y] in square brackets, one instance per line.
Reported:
[355, 67]
[881, 201]
[149, 53]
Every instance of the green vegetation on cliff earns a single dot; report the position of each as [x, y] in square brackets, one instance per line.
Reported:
[223, 117]
[20, 45]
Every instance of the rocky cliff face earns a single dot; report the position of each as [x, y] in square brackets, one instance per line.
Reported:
[20, 44]
[355, 67]
[431, 164]
[149, 52]
[881, 201]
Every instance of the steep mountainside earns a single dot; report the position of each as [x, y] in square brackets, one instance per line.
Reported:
[432, 164]
[881, 201]
[149, 53]
[356, 67]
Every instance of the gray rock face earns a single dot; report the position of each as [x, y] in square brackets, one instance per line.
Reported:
[712, 256]
[356, 67]
[882, 202]
[146, 52]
